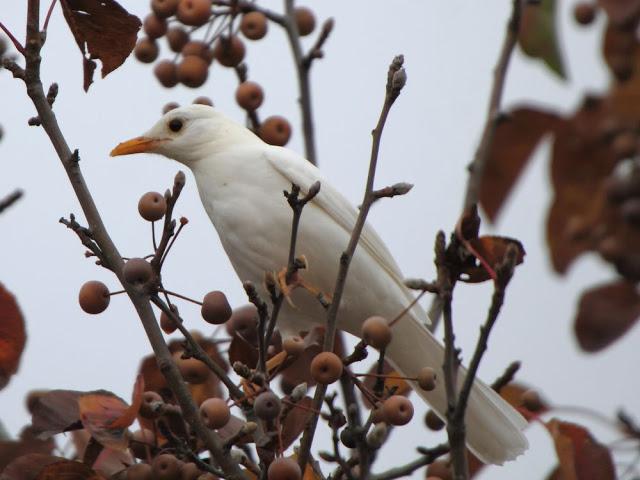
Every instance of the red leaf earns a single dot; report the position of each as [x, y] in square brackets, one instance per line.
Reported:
[107, 416]
[27, 467]
[296, 421]
[12, 336]
[605, 313]
[103, 30]
[242, 351]
[619, 11]
[67, 469]
[27, 443]
[582, 160]
[516, 137]
[490, 252]
[55, 412]
[581, 456]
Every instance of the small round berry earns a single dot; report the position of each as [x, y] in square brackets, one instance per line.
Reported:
[397, 410]
[194, 12]
[154, 26]
[427, 379]
[152, 206]
[584, 13]
[164, 8]
[139, 471]
[177, 38]
[244, 322]
[326, 368]
[306, 20]
[199, 49]
[150, 401]
[433, 421]
[94, 297]
[166, 467]
[376, 332]
[215, 413]
[215, 308]
[267, 406]
[202, 100]
[192, 370]
[146, 50]
[166, 73]
[141, 443]
[254, 25]
[625, 144]
[284, 469]
[167, 324]
[137, 271]
[249, 95]
[348, 438]
[190, 471]
[532, 401]
[193, 71]
[229, 51]
[275, 130]
[170, 106]
[294, 346]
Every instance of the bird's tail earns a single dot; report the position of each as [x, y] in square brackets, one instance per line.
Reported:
[493, 427]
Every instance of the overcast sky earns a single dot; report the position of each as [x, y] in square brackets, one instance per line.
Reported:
[450, 47]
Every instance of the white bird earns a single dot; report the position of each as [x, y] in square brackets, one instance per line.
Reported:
[240, 179]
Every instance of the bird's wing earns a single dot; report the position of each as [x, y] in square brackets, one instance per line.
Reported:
[298, 170]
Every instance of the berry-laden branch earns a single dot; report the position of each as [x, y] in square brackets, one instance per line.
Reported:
[396, 79]
[100, 235]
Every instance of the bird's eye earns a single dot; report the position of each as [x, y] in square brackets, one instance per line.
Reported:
[175, 125]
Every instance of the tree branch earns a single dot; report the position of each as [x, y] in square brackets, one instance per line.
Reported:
[396, 78]
[429, 455]
[139, 298]
[476, 167]
[10, 199]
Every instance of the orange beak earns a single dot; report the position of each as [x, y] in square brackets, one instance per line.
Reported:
[136, 145]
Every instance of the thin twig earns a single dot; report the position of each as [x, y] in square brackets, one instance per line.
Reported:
[428, 457]
[48, 17]
[304, 86]
[138, 297]
[507, 377]
[14, 40]
[476, 167]
[10, 199]
[505, 272]
[396, 78]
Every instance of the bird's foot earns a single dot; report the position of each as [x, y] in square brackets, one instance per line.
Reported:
[288, 281]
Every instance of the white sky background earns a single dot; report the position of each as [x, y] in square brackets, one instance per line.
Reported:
[450, 49]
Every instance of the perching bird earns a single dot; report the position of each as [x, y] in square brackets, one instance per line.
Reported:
[241, 179]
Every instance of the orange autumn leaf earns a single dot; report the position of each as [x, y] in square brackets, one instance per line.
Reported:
[580, 456]
[12, 336]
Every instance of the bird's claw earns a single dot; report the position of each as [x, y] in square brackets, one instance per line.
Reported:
[288, 281]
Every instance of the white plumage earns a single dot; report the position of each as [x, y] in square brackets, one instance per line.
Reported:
[241, 179]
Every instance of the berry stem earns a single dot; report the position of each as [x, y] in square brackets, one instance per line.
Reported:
[117, 292]
[13, 39]
[183, 297]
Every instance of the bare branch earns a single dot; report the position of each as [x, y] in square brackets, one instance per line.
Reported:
[10, 199]
[395, 81]
[138, 297]
[428, 456]
[507, 377]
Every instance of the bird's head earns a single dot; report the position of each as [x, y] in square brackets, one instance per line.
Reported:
[186, 134]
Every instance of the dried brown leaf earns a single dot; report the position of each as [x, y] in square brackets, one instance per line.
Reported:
[103, 30]
[296, 421]
[580, 456]
[516, 137]
[55, 412]
[605, 313]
